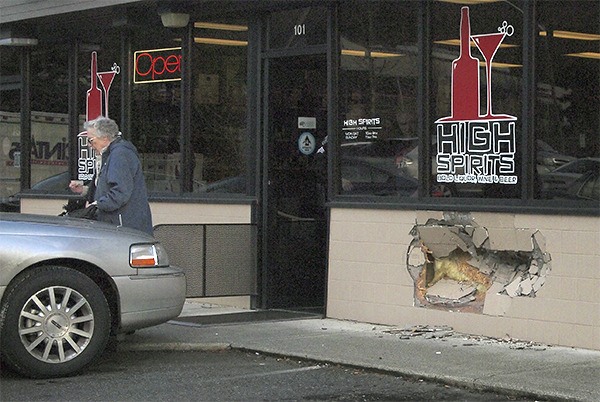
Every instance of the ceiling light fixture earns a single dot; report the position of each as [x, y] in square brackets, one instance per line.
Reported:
[363, 53]
[497, 64]
[456, 42]
[470, 2]
[572, 35]
[18, 42]
[585, 55]
[224, 42]
[221, 27]
[174, 20]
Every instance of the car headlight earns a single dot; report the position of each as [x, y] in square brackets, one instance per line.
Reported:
[148, 256]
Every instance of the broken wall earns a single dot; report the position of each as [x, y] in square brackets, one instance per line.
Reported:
[369, 279]
[456, 264]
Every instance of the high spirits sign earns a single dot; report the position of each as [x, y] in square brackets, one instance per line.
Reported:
[96, 105]
[474, 147]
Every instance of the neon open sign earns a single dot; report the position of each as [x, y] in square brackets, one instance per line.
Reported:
[157, 65]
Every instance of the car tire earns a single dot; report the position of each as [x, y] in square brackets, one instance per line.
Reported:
[55, 321]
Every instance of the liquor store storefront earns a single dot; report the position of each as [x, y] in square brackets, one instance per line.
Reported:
[393, 162]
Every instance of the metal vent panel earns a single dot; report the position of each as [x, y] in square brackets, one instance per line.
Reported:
[230, 260]
[218, 260]
[185, 246]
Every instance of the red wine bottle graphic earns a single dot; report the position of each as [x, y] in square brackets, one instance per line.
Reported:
[465, 75]
[94, 94]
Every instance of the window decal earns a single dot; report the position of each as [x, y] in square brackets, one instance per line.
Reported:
[95, 105]
[472, 147]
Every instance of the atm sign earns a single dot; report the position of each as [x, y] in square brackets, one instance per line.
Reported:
[157, 65]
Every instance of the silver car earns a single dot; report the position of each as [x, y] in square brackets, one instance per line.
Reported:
[67, 285]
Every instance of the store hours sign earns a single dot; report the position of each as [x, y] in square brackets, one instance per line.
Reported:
[474, 147]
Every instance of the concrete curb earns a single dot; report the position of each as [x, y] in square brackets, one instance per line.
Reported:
[174, 346]
[475, 384]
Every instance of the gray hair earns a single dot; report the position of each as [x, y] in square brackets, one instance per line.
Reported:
[105, 127]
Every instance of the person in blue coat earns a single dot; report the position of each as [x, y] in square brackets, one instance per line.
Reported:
[118, 188]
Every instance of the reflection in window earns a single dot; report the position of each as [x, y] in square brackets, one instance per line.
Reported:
[218, 109]
[218, 131]
[567, 103]
[49, 118]
[377, 99]
[155, 108]
[10, 118]
[590, 187]
[155, 132]
[476, 79]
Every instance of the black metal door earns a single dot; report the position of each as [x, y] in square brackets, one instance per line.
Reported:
[296, 177]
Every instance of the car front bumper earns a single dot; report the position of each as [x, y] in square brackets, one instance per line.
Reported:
[150, 299]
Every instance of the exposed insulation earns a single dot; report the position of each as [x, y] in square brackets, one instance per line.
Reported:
[453, 265]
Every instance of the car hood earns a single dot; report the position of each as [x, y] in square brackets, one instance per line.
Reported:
[49, 225]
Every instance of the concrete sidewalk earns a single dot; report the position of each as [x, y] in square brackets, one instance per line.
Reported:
[438, 354]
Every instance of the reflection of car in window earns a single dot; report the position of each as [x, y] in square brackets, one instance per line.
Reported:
[56, 184]
[372, 168]
[59, 184]
[231, 185]
[409, 162]
[366, 178]
[566, 180]
[587, 187]
[548, 159]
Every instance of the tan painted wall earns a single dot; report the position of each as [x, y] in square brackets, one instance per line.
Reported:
[162, 212]
[42, 206]
[368, 278]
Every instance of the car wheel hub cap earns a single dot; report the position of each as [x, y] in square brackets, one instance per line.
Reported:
[56, 324]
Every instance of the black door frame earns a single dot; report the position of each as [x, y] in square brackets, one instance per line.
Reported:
[329, 50]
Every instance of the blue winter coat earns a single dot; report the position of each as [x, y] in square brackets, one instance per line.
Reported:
[120, 191]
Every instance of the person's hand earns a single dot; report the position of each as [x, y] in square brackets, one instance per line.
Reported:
[76, 186]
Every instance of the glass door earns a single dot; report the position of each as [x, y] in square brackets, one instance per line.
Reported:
[296, 178]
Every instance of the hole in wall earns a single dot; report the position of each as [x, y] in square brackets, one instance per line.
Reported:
[457, 265]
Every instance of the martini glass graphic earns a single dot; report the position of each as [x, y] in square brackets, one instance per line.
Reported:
[106, 79]
[488, 45]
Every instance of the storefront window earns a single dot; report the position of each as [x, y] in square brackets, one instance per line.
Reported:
[218, 132]
[567, 105]
[156, 107]
[477, 90]
[377, 98]
[218, 107]
[49, 119]
[10, 121]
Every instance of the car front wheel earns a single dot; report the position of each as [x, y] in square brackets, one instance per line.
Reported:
[55, 321]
